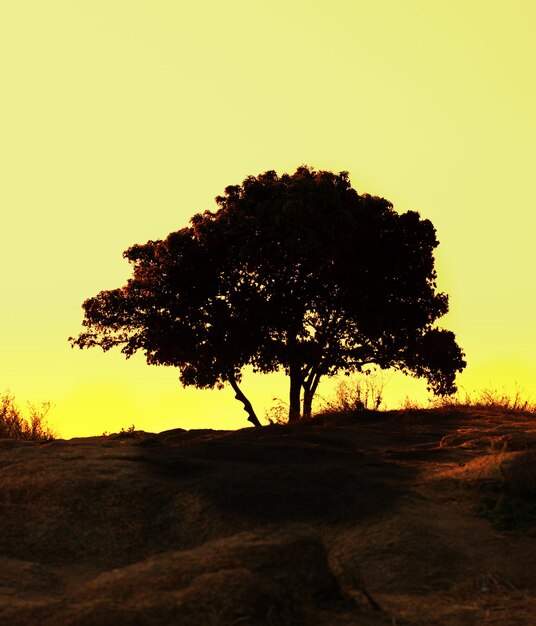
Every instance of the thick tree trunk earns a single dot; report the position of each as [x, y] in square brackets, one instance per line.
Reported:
[294, 406]
[248, 408]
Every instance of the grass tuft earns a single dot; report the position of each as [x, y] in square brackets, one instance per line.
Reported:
[487, 399]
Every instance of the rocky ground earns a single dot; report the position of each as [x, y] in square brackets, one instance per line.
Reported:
[411, 517]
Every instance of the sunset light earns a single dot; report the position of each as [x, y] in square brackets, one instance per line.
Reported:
[121, 120]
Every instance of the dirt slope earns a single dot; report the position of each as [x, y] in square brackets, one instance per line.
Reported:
[424, 517]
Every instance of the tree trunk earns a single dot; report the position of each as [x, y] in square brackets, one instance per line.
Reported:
[294, 408]
[309, 389]
[307, 402]
[248, 408]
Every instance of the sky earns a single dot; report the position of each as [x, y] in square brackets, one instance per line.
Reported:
[120, 119]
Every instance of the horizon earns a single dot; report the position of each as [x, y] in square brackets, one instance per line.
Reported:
[123, 121]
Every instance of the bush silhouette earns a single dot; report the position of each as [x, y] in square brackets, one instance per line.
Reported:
[13, 425]
[297, 272]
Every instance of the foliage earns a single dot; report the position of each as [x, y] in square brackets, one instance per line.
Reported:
[13, 424]
[297, 272]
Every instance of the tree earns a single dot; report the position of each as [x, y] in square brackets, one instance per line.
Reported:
[297, 272]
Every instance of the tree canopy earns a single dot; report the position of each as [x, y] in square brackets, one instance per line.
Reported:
[295, 272]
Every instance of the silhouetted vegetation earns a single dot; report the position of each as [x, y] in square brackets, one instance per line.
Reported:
[493, 399]
[362, 393]
[297, 272]
[13, 424]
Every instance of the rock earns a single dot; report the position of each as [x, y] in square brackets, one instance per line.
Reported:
[255, 578]
[24, 577]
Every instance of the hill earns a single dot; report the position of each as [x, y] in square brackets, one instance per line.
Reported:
[408, 517]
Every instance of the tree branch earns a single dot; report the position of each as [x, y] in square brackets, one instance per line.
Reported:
[248, 408]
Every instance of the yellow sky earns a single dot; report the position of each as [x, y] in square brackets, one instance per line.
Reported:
[119, 119]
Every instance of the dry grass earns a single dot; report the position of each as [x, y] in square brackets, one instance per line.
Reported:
[14, 425]
[364, 393]
[489, 399]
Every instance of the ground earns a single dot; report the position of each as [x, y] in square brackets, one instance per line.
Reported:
[423, 517]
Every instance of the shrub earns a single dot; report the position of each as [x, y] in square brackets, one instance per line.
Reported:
[13, 425]
[277, 414]
[361, 392]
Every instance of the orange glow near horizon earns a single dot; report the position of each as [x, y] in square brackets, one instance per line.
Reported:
[121, 120]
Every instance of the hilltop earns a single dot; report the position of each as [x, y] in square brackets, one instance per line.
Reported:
[416, 517]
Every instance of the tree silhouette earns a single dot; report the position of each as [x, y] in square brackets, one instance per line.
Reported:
[297, 272]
